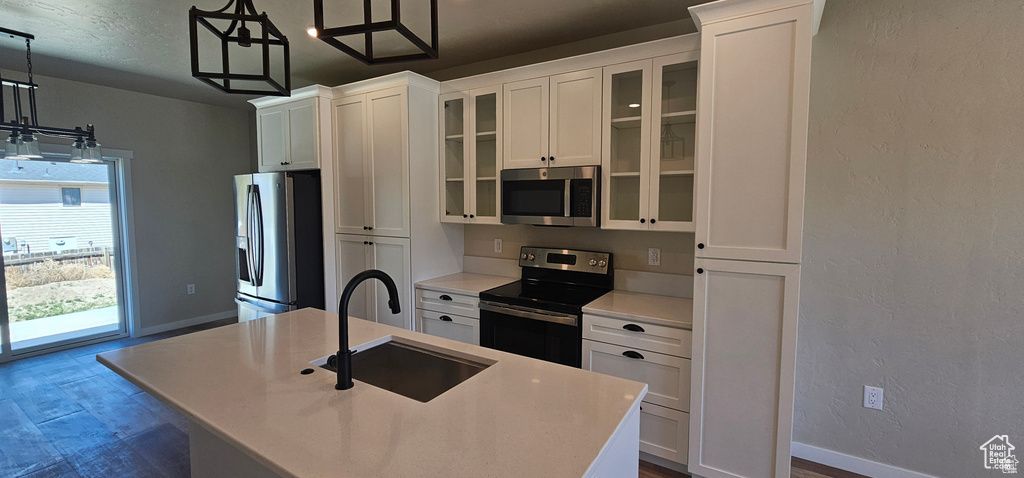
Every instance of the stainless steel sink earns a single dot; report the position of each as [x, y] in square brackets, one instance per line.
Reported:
[410, 369]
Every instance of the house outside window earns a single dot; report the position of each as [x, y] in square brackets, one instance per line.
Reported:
[71, 196]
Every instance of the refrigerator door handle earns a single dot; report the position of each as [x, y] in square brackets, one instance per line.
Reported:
[249, 235]
[259, 243]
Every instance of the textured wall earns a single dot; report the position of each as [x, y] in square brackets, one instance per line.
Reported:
[185, 156]
[913, 275]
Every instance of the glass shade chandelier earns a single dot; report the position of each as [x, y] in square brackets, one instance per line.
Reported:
[240, 12]
[24, 130]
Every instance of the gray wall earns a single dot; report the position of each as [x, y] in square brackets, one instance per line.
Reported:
[913, 275]
[185, 155]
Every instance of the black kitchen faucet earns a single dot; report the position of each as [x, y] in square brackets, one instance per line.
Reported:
[344, 360]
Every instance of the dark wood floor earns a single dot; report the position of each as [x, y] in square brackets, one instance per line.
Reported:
[65, 415]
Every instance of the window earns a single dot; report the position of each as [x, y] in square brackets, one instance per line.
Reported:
[71, 196]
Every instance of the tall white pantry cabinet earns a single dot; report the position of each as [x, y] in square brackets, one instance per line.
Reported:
[385, 144]
[751, 156]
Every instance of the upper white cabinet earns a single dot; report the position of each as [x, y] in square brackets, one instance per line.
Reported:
[293, 132]
[553, 121]
[372, 169]
[752, 136]
[471, 155]
[648, 144]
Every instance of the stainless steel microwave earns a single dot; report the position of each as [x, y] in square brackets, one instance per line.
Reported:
[551, 196]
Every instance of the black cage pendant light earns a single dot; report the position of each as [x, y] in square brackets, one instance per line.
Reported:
[368, 27]
[240, 13]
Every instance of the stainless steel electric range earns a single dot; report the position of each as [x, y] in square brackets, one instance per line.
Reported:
[541, 315]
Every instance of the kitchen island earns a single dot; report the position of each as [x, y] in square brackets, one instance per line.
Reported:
[251, 412]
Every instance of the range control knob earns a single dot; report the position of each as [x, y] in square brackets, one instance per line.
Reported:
[601, 263]
[530, 257]
[523, 256]
[593, 262]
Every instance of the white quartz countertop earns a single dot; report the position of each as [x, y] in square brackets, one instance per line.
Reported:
[652, 309]
[464, 283]
[519, 417]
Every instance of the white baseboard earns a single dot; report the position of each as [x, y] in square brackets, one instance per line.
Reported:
[180, 324]
[855, 464]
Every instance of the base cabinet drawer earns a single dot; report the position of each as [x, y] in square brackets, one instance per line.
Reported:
[655, 338]
[454, 327]
[667, 377]
[448, 303]
[664, 432]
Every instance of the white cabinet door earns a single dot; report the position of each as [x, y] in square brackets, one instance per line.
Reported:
[744, 347]
[673, 129]
[352, 254]
[272, 128]
[667, 377]
[626, 151]
[455, 179]
[303, 135]
[454, 327]
[664, 432]
[525, 125]
[387, 120]
[351, 168]
[485, 150]
[391, 255]
[575, 119]
[752, 136]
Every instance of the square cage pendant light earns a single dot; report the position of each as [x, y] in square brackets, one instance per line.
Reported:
[369, 27]
[240, 13]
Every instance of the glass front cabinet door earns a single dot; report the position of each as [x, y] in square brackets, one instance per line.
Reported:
[647, 157]
[470, 156]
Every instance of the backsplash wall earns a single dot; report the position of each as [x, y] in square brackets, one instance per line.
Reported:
[629, 247]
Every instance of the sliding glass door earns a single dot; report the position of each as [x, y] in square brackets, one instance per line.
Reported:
[61, 238]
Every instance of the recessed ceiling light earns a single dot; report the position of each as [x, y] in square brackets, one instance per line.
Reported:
[311, 31]
[634, 105]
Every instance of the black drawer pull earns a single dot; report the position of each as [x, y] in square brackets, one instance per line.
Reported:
[633, 355]
[445, 297]
[633, 328]
[445, 318]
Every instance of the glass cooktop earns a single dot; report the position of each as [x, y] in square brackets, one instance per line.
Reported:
[553, 296]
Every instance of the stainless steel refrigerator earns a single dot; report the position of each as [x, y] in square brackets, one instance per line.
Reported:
[279, 262]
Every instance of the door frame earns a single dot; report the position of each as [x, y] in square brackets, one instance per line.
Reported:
[123, 225]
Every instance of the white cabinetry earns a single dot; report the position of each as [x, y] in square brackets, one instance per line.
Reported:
[471, 156]
[385, 132]
[656, 355]
[648, 144]
[293, 132]
[751, 155]
[373, 163]
[449, 315]
[391, 255]
[553, 121]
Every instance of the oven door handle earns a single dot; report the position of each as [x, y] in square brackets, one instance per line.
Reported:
[527, 313]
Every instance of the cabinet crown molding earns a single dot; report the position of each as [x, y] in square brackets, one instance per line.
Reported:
[311, 91]
[402, 78]
[720, 10]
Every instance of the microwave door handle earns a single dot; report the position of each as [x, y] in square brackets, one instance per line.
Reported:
[568, 198]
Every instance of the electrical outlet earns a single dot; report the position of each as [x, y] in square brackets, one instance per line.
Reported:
[653, 256]
[497, 246]
[873, 397]
[191, 289]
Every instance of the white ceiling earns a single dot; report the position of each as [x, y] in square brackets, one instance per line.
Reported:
[143, 45]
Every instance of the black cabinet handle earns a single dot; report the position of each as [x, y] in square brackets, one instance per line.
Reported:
[633, 355]
[366, 228]
[552, 158]
[371, 243]
[465, 215]
[365, 242]
[653, 220]
[700, 245]
[542, 159]
[370, 228]
[633, 328]
[445, 318]
[445, 297]
[471, 216]
[642, 220]
[700, 270]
